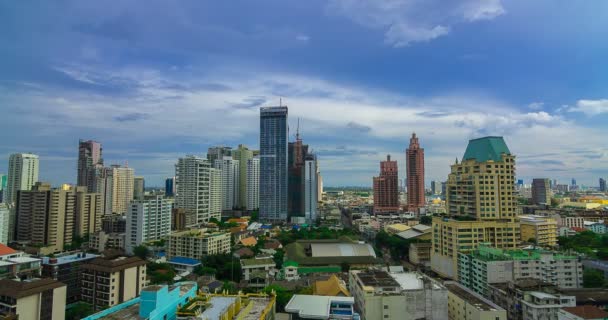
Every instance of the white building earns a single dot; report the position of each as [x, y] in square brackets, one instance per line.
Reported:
[310, 189]
[147, 220]
[253, 183]
[22, 174]
[197, 243]
[193, 179]
[4, 223]
[230, 181]
[215, 193]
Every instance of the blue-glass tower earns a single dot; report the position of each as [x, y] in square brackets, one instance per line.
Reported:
[273, 164]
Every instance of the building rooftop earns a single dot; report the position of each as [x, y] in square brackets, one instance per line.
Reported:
[488, 253]
[113, 265]
[198, 233]
[20, 289]
[330, 287]
[485, 149]
[68, 258]
[408, 280]
[587, 312]
[374, 278]
[315, 307]
[341, 250]
[471, 297]
[257, 261]
[217, 307]
[4, 250]
[184, 261]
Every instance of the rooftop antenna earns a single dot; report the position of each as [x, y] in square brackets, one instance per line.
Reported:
[280, 102]
[298, 130]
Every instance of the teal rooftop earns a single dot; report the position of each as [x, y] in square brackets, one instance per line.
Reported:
[486, 148]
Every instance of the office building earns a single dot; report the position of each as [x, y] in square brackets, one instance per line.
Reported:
[193, 178]
[539, 230]
[242, 154]
[89, 157]
[310, 189]
[139, 186]
[414, 156]
[148, 219]
[603, 185]
[541, 191]
[253, 183]
[302, 306]
[386, 188]
[36, 299]
[485, 266]
[108, 282]
[88, 212]
[273, 164]
[397, 295]
[197, 243]
[22, 174]
[4, 223]
[464, 304]
[66, 269]
[480, 203]
[170, 187]
[230, 176]
[218, 153]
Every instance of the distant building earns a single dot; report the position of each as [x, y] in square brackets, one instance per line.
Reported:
[122, 188]
[310, 189]
[602, 185]
[139, 188]
[464, 304]
[4, 222]
[178, 219]
[193, 178]
[302, 306]
[414, 156]
[170, 187]
[197, 243]
[541, 229]
[102, 241]
[90, 155]
[66, 269]
[386, 188]
[37, 299]
[114, 223]
[253, 183]
[148, 219]
[230, 179]
[243, 154]
[435, 187]
[541, 191]
[218, 153]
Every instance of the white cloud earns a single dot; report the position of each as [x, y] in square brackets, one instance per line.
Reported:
[536, 105]
[302, 37]
[409, 21]
[590, 107]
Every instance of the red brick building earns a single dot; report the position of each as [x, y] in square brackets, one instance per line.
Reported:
[386, 188]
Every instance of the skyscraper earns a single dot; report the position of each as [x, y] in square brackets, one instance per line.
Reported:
[273, 164]
[216, 200]
[2, 186]
[122, 188]
[310, 189]
[386, 187]
[22, 174]
[229, 170]
[88, 212]
[573, 182]
[297, 151]
[435, 187]
[242, 154]
[602, 185]
[415, 175]
[253, 183]
[541, 192]
[193, 180]
[170, 187]
[89, 156]
[139, 186]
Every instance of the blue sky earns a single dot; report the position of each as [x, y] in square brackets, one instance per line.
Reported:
[156, 80]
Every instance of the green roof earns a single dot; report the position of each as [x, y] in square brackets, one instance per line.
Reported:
[486, 148]
[327, 269]
[290, 263]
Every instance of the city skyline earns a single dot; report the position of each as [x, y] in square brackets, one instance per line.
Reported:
[360, 77]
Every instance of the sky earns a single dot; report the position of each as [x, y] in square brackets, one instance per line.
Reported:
[157, 80]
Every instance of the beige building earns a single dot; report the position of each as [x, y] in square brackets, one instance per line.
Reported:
[197, 243]
[480, 202]
[541, 229]
[32, 300]
[122, 188]
[108, 282]
[420, 253]
[464, 304]
[101, 241]
[242, 154]
[88, 212]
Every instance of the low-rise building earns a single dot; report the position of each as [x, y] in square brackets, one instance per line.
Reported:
[464, 304]
[17, 264]
[34, 299]
[420, 253]
[302, 306]
[597, 227]
[102, 241]
[184, 265]
[108, 282]
[197, 243]
[582, 313]
[225, 307]
[66, 268]
[258, 271]
[333, 286]
[541, 229]
[419, 231]
[401, 295]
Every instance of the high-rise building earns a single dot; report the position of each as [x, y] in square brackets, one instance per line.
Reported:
[242, 154]
[310, 189]
[573, 183]
[66, 268]
[193, 178]
[541, 191]
[386, 187]
[89, 157]
[319, 183]
[170, 187]
[215, 193]
[480, 202]
[122, 188]
[602, 185]
[218, 152]
[229, 169]
[253, 183]
[22, 174]
[273, 164]
[88, 212]
[148, 219]
[435, 187]
[4, 223]
[2, 186]
[139, 186]
[414, 156]
[297, 152]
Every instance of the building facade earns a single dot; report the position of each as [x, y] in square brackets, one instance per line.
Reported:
[197, 243]
[139, 186]
[310, 189]
[253, 183]
[386, 188]
[148, 219]
[89, 156]
[273, 164]
[170, 187]
[243, 154]
[541, 191]
[23, 171]
[218, 152]
[88, 212]
[230, 176]
[40, 299]
[542, 230]
[66, 269]
[414, 156]
[464, 304]
[122, 188]
[193, 179]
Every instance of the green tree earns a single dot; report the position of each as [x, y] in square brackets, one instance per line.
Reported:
[593, 278]
[278, 257]
[428, 220]
[283, 296]
[201, 271]
[141, 251]
[78, 311]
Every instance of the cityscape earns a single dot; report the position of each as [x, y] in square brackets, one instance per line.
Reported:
[332, 160]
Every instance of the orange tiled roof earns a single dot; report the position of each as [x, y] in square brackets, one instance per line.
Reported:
[249, 241]
[587, 312]
[4, 250]
[330, 287]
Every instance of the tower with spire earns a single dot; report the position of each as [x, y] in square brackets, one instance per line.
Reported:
[414, 158]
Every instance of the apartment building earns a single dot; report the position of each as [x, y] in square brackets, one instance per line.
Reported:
[66, 269]
[197, 243]
[420, 253]
[541, 229]
[258, 271]
[148, 219]
[36, 299]
[101, 241]
[464, 304]
[16, 264]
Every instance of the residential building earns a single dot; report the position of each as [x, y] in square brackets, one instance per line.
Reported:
[36, 299]
[230, 178]
[114, 223]
[17, 265]
[574, 222]
[218, 152]
[101, 241]
[253, 183]
[66, 268]
[197, 243]
[88, 212]
[243, 154]
[480, 202]
[108, 282]
[273, 164]
[2, 186]
[103, 183]
[170, 187]
[302, 306]
[420, 253]
[139, 188]
[435, 187]
[597, 227]
[414, 156]
[122, 188]
[541, 229]
[178, 219]
[310, 189]
[386, 188]
[397, 295]
[22, 174]
[581, 313]
[158, 302]
[148, 219]
[602, 185]
[541, 191]
[89, 156]
[216, 193]
[258, 271]
[485, 266]
[4, 222]
[464, 304]
[193, 179]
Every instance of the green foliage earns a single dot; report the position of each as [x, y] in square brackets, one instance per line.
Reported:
[141, 251]
[201, 271]
[305, 290]
[287, 237]
[255, 216]
[593, 278]
[398, 247]
[78, 311]
[283, 296]
[230, 287]
[224, 224]
[226, 266]
[428, 220]
[587, 242]
[279, 257]
[76, 243]
[160, 273]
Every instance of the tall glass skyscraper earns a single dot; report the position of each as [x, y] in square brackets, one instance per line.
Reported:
[273, 164]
